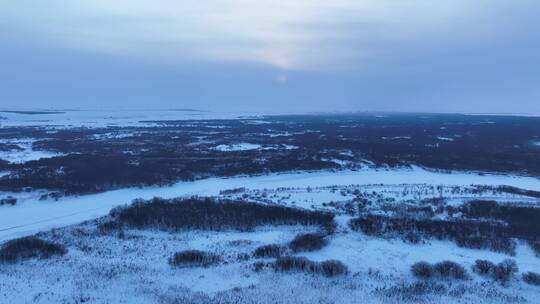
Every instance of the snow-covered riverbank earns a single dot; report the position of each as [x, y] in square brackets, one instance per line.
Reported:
[31, 215]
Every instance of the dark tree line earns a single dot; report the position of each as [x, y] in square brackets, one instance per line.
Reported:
[211, 214]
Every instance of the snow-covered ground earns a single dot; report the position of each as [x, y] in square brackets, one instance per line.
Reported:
[22, 151]
[134, 268]
[445, 138]
[328, 197]
[237, 147]
[32, 215]
[250, 146]
[100, 119]
[106, 268]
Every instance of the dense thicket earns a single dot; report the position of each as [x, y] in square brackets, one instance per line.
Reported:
[444, 269]
[8, 201]
[328, 268]
[308, 242]
[501, 272]
[523, 221]
[535, 245]
[465, 233]
[193, 258]
[210, 214]
[532, 278]
[29, 247]
[269, 251]
[519, 191]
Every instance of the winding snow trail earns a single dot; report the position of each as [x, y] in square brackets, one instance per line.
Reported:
[30, 215]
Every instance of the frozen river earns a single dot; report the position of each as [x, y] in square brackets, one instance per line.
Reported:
[31, 215]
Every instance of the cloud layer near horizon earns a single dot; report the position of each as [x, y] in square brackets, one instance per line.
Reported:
[381, 42]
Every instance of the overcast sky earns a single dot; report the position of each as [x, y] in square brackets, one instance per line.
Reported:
[270, 55]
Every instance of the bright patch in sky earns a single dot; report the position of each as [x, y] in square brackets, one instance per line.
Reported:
[300, 34]
[315, 55]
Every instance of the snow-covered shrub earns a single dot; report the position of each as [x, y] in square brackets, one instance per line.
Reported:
[10, 200]
[535, 245]
[449, 269]
[483, 267]
[501, 272]
[109, 227]
[308, 242]
[289, 263]
[532, 278]
[413, 292]
[332, 268]
[480, 209]
[497, 244]
[232, 191]
[29, 247]
[258, 266]
[193, 258]
[434, 201]
[268, 251]
[518, 191]
[239, 243]
[412, 237]
[444, 270]
[422, 270]
[210, 214]
[504, 271]
[243, 256]
[420, 211]
[328, 268]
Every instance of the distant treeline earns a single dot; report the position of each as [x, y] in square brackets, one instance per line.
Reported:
[173, 151]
